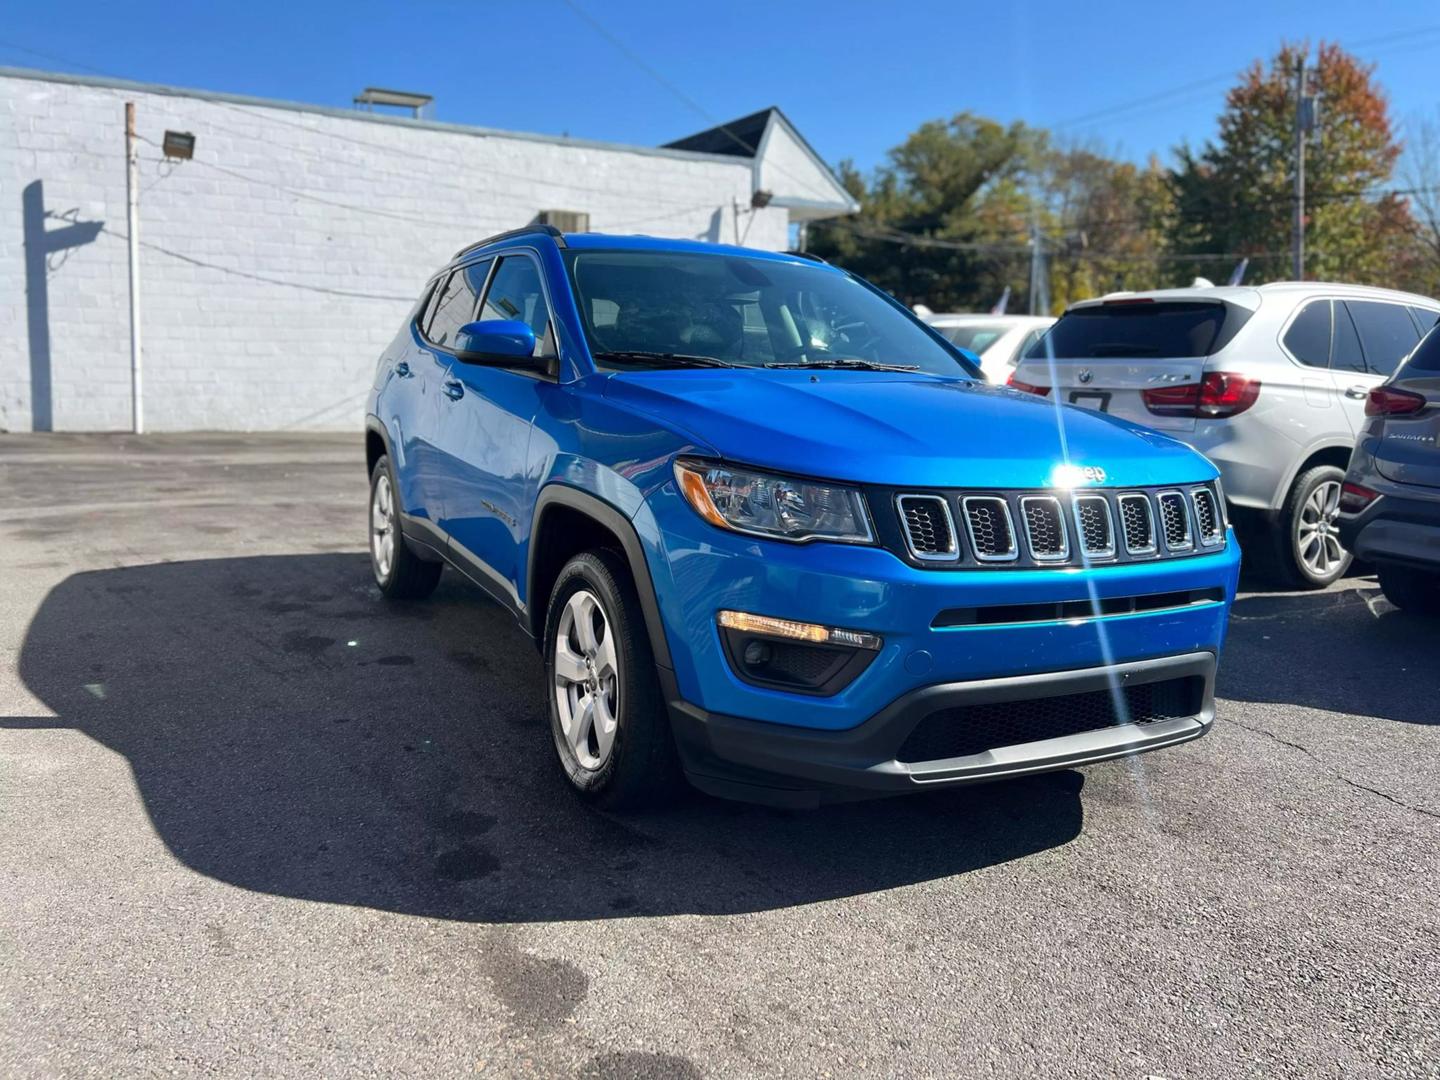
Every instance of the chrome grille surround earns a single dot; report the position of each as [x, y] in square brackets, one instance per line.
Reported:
[1094, 526]
[988, 523]
[1175, 521]
[1017, 528]
[1137, 523]
[1043, 517]
[1208, 525]
[929, 527]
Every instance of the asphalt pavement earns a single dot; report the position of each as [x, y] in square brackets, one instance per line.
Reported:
[256, 821]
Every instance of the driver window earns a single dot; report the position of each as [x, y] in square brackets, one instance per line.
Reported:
[516, 293]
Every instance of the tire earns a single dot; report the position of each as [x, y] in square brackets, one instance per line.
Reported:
[1303, 550]
[1414, 591]
[610, 728]
[399, 572]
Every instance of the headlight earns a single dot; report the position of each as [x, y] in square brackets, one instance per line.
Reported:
[780, 507]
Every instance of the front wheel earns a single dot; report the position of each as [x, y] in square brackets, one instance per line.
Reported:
[1415, 591]
[607, 716]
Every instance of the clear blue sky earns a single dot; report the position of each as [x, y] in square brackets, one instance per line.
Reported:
[855, 77]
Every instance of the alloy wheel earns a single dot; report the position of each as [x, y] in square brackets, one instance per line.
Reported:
[382, 527]
[587, 679]
[1317, 540]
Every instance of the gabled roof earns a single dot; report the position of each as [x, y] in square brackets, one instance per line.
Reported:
[740, 138]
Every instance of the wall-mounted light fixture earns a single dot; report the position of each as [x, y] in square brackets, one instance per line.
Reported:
[178, 145]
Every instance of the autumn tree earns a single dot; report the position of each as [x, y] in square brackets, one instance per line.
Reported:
[1235, 196]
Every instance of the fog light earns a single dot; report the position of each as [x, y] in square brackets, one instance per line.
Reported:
[814, 633]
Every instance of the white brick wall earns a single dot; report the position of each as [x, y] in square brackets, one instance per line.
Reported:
[282, 204]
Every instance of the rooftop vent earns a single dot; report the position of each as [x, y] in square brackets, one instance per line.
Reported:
[418, 104]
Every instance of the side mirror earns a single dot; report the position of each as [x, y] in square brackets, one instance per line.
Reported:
[496, 341]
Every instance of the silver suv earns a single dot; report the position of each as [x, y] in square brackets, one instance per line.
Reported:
[1270, 383]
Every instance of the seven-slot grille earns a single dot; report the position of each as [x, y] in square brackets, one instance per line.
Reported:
[987, 519]
[929, 530]
[1038, 529]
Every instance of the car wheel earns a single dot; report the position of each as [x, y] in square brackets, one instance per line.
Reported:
[1311, 555]
[1415, 591]
[607, 714]
[400, 573]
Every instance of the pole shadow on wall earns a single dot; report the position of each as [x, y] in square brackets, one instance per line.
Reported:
[40, 244]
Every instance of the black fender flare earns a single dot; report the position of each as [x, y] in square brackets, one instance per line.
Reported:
[603, 513]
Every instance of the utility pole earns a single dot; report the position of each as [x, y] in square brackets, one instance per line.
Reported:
[132, 202]
[1298, 236]
[1037, 272]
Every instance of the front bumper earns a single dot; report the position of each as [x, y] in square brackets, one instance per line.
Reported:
[791, 766]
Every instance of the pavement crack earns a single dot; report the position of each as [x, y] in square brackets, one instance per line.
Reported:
[1335, 772]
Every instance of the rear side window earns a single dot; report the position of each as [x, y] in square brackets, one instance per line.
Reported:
[1426, 356]
[1424, 318]
[1386, 334]
[1308, 338]
[1167, 329]
[1345, 354]
[454, 305]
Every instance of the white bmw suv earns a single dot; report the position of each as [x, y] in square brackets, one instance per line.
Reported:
[1269, 382]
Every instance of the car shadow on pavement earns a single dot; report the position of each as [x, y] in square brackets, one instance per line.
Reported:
[1345, 649]
[292, 733]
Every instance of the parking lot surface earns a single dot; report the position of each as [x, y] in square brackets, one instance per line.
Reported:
[254, 820]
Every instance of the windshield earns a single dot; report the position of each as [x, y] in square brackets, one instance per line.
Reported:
[663, 307]
[1171, 330]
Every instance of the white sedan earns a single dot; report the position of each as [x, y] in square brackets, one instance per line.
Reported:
[999, 340]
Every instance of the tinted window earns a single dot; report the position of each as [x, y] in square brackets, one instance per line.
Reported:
[1308, 338]
[1424, 318]
[1426, 356]
[975, 338]
[1345, 354]
[1386, 334]
[516, 293]
[1141, 328]
[456, 303]
[744, 311]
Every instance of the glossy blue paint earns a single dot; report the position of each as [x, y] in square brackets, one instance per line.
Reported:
[476, 445]
[508, 339]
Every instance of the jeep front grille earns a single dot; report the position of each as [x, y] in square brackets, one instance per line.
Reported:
[1037, 529]
[987, 520]
[929, 530]
[1097, 529]
[1207, 517]
[1045, 528]
[1138, 522]
[1175, 521]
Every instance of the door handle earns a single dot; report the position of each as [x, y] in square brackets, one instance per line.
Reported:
[402, 369]
[1357, 392]
[454, 389]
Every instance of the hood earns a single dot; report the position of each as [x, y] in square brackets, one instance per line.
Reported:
[898, 429]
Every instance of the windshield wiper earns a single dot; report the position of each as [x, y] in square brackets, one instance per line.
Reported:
[661, 359]
[845, 363]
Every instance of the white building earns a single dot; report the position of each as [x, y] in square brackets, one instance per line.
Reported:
[277, 263]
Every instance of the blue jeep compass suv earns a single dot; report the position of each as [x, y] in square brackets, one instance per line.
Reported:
[776, 536]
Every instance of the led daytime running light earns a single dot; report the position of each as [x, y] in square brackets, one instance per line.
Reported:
[790, 630]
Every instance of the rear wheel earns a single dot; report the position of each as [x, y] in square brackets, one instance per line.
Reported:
[399, 572]
[1416, 591]
[607, 714]
[1303, 549]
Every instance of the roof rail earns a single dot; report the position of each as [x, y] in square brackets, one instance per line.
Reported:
[545, 230]
[808, 255]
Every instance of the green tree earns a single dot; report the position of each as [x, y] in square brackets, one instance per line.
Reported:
[1235, 195]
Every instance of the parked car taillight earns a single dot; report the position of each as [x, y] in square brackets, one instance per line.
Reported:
[1029, 388]
[1217, 394]
[1386, 401]
[1355, 497]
